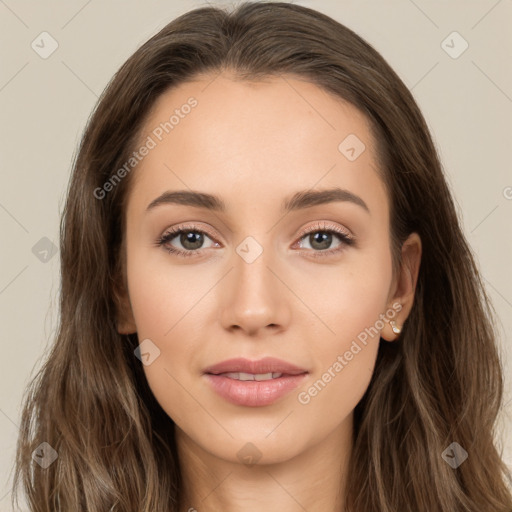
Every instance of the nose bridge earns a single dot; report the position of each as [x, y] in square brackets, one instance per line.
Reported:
[254, 299]
[255, 284]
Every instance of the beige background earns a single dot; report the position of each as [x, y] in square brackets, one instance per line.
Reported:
[44, 104]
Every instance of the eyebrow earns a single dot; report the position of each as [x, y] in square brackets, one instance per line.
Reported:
[298, 201]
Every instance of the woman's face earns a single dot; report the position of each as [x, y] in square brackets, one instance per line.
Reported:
[270, 277]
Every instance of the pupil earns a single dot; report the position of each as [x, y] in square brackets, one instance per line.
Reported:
[194, 239]
[325, 239]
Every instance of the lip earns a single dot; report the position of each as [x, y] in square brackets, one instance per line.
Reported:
[265, 365]
[254, 393]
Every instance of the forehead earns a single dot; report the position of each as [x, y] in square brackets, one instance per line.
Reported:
[272, 136]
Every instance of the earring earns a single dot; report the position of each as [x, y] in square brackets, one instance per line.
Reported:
[396, 329]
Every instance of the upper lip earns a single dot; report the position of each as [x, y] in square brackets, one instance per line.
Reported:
[265, 365]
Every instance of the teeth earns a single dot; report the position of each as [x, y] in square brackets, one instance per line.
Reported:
[252, 376]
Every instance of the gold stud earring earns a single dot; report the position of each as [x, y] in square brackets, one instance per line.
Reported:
[395, 328]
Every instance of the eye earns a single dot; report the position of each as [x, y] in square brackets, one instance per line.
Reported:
[190, 238]
[320, 238]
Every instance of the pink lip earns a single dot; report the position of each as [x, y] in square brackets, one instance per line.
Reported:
[265, 365]
[254, 393]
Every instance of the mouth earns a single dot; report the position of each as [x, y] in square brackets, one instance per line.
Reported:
[254, 383]
[265, 366]
[250, 376]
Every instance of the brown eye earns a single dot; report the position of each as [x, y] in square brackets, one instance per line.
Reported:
[320, 240]
[191, 240]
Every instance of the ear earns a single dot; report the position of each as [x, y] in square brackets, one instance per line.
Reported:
[125, 319]
[404, 285]
[124, 314]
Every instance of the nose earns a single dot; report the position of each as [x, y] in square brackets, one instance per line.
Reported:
[254, 299]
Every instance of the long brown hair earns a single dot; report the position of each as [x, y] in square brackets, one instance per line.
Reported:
[441, 383]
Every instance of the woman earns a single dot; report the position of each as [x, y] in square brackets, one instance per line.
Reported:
[267, 299]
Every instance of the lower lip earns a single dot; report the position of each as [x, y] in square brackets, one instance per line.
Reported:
[252, 393]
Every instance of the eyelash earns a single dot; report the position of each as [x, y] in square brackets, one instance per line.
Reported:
[347, 240]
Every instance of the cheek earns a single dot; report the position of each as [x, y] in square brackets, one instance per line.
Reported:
[348, 337]
[167, 306]
[164, 315]
[163, 296]
[345, 358]
[348, 300]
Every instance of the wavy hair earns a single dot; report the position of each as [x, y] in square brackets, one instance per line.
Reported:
[441, 382]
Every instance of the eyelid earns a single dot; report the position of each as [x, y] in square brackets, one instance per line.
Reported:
[188, 227]
[325, 226]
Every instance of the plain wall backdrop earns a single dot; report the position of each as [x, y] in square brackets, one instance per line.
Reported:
[57, 56]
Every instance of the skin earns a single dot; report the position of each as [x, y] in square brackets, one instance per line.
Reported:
[254, 144]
